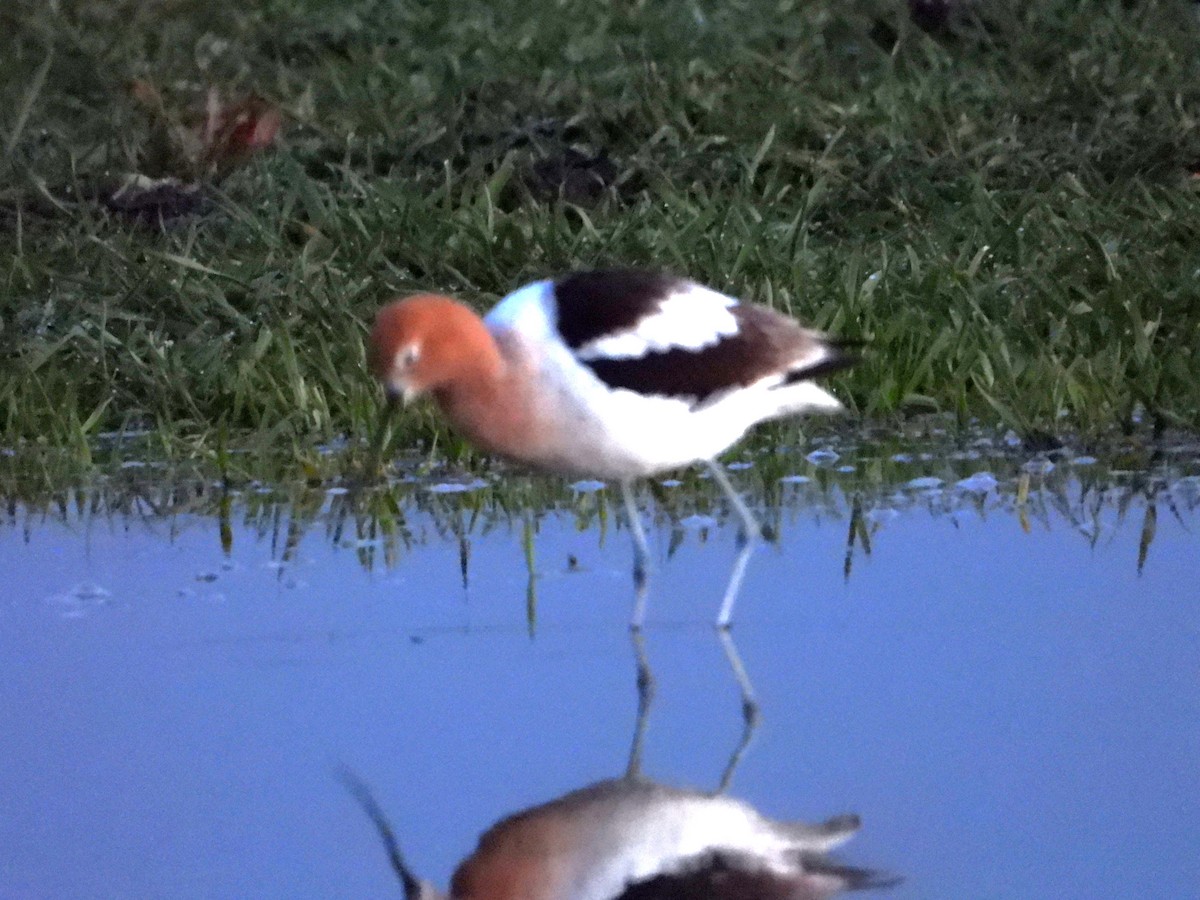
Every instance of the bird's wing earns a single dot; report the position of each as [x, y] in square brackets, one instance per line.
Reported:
[659, 335]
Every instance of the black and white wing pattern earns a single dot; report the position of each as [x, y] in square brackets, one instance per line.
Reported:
[726, 876]
[660, 335]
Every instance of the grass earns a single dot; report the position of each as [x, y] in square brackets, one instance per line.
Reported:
[1006, 210]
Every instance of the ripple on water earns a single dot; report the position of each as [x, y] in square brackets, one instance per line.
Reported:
[924, 483]
[795, 479]
[1038, 467]
[456, 487]
[79, 600]
[588, 486]
[979, 483]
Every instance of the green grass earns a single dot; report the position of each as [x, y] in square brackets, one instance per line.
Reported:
[1007, 213]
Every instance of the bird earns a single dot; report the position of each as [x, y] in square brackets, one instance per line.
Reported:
[632, 838]
[611, 373]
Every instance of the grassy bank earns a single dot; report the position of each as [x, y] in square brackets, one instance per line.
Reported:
[1006, 209]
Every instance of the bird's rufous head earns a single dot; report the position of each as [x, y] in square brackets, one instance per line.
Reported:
[421, 343]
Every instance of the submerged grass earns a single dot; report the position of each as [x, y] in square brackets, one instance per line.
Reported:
[1006, 210]
[857, 486]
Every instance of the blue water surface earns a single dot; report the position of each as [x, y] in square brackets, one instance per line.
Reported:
[997, 686]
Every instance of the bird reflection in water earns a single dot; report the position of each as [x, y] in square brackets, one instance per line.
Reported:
[631, 838]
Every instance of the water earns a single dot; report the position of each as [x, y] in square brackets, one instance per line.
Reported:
[992, 662]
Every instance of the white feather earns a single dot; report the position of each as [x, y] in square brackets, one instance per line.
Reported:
[691, 318]
[528, 310]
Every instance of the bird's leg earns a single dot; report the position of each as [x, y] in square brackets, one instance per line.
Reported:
[748, 533]
[725, 616]
[750, 530]
[641, 555]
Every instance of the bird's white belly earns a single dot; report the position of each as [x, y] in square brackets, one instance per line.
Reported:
[622, 434]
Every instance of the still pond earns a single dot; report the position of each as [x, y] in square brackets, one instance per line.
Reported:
[992, 656]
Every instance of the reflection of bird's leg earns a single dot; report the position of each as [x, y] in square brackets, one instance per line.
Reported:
[645, 689]
[748, 533]
[641, 555]
[750, 711]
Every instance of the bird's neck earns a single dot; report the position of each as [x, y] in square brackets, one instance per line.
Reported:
[484, 401]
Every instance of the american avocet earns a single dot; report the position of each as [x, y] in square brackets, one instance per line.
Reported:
[611, 374]
[636, 839]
